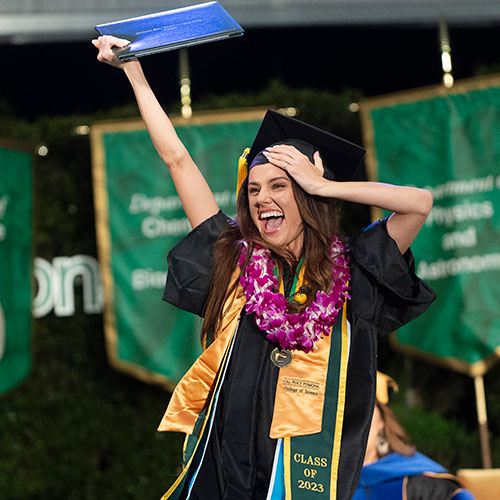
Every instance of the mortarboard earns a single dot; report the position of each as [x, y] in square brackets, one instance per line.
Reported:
[340, 158]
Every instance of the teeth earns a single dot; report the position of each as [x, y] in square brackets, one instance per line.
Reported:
[274, 213]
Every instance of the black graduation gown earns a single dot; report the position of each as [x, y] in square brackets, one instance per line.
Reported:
[385, 295]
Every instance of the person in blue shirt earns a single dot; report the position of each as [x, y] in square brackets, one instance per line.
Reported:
[393, 469]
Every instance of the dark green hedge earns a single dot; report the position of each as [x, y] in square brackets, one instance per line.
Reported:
[78, 430]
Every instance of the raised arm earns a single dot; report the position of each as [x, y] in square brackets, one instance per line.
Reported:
[196, 197]
[410, 206]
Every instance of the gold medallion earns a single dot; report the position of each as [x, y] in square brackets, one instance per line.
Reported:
[281, 357]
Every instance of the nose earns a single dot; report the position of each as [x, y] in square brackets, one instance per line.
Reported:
[263, 197]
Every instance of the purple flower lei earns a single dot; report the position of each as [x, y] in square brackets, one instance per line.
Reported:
[292, 331]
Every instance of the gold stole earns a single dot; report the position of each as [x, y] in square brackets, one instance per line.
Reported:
[191, 393]
[300, 391]
[300, 394]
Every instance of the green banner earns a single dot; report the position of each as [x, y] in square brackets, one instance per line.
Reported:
[15, 267]
[138, 219]
[449, 143]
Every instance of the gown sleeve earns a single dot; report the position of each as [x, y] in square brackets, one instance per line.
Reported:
[190, 266]
[435, 488]
[389, 291]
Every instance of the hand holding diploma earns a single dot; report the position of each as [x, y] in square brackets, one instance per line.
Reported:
[105, 45]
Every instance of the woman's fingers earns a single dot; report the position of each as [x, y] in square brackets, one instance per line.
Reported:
[290, 152]
[110, 41]
[105, 45]
[279, 160]
[284, 156]
[318, 163]
[288, 157]
[307, 174]
[115, 41]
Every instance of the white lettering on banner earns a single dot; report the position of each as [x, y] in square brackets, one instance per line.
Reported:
[460, 239]
[43, 302]
[463, 187]
[141, 203]
[3, 205]
[444, 268]
[2, 332]
[467, 211]
[156, 227]
[3, 209]
[56, 284]
[147, 278]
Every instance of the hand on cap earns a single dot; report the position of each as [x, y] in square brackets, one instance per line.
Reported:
[308, 175]
[106, 53]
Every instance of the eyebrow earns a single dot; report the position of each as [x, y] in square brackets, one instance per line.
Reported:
[280, 177]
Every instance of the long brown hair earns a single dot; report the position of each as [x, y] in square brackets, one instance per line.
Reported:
[396, 436]
[320, 219]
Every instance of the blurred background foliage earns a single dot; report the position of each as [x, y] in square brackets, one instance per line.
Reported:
[78, 430]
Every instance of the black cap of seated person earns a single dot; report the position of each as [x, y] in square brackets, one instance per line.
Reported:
[340, 158]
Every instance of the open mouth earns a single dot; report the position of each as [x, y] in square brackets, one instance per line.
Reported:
[271, 220]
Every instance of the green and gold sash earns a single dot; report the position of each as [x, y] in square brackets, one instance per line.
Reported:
[311, 462]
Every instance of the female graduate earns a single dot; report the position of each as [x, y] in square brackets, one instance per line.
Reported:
[279, 404]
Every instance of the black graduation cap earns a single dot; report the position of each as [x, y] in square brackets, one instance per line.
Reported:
[340, 158]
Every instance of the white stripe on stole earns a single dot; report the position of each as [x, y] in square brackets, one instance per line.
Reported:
[279, 443]
[212, 418]
[348, 324]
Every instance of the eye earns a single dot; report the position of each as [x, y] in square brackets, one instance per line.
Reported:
[279, 185]
[253, 190]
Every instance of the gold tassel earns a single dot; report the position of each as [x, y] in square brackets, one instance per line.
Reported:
[242, 169]
[384, 382]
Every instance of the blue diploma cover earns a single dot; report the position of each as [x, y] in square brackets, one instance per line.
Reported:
[172, 29]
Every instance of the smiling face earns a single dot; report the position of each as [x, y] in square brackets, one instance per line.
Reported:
[273, 208]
